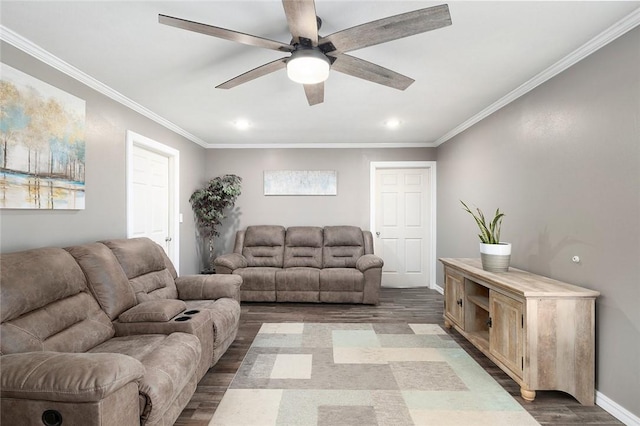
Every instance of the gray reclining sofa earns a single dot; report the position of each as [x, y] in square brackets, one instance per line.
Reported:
[333, 264]
[107, 334]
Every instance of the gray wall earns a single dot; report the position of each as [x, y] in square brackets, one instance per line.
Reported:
[105, 214]
[349, 207]
[563, 162]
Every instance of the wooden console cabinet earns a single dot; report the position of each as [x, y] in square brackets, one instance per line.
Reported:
[540, 331]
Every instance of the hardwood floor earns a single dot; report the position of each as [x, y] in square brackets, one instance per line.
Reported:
[396, 305]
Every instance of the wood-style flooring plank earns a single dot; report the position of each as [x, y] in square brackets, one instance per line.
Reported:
[421, 305]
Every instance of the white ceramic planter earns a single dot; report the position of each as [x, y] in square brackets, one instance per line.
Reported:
[495, 257]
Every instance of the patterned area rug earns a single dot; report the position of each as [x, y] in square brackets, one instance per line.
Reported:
[363, 374]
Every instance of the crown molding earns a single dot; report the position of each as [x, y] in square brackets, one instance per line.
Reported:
[320, 145]
[27, 46]
[618, 29]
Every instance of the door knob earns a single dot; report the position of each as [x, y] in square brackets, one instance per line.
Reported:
[377, 234]
[167, 239]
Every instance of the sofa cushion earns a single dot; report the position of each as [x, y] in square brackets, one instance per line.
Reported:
[154, 286]
[298, 279]
[341, 279]
[105, 278]
[137, 256]
[341, 285]
[46, 305]
[264, 246]
[343, 245]
[303, 247]
[258, 278]
[298, 285]
[153, 311]
[198, 324]
[34, 278]
[145, 264]
[170, 363]
[72, 324]
[56, 376]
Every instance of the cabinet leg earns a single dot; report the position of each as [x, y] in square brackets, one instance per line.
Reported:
[447, 324]
[528, 395]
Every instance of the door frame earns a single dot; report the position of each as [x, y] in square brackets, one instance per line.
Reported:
[430, 166]
[173, 155]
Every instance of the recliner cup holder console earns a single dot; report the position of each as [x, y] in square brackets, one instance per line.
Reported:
[186, 315]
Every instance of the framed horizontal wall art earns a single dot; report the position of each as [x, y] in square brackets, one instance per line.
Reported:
[42, 146]
[300, 182]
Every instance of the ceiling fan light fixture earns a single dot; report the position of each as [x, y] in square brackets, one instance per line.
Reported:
[308, 66]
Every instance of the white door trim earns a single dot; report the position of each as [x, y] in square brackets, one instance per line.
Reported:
[135, 139]
[431, 167]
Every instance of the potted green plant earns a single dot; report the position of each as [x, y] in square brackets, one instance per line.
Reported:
[209, 204]
[495, 254]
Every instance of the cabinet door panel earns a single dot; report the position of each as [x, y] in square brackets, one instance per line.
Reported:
[454, 295]
[507, 333]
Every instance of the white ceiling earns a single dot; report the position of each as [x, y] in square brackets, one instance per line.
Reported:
[491, 49]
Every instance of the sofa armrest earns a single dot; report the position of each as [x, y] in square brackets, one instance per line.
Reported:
[368, 261]
[209, 287]
[227, 263]
[160, 310]
[371, 266]
[67, 377]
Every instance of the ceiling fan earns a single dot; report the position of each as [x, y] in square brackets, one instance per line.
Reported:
[312, 56]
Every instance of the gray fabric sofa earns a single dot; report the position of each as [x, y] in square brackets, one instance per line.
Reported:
[333, 264]
[106, 333]
[154, 280]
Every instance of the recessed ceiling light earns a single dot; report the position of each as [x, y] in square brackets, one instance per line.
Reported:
[392, 123]
[242, 124]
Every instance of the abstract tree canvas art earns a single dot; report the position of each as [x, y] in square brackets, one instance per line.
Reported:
[42, 145]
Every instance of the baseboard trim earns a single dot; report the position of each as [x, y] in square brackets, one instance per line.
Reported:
[439, 289]
[616, 410]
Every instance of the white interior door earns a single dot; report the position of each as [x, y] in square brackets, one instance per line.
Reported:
[402, 226]
[152, 196]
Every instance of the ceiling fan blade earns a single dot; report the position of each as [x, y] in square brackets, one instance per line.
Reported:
[366, 70]
[391, 28]
[315, 93]
[302, 20]
[223, 33]
[265, 69]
